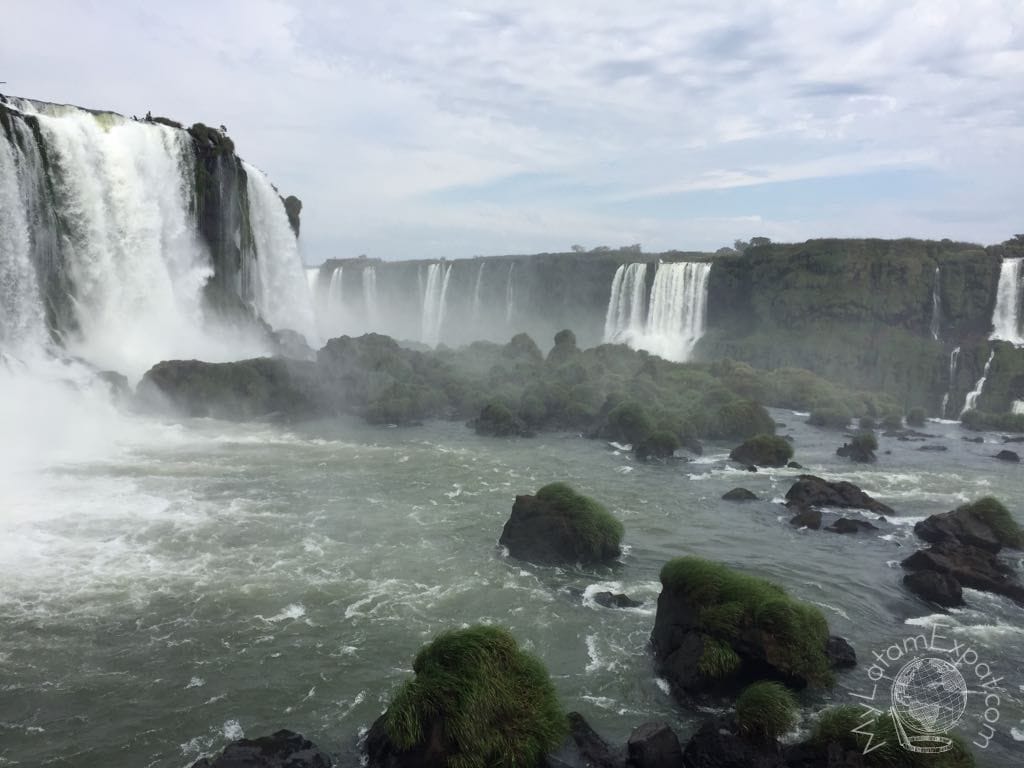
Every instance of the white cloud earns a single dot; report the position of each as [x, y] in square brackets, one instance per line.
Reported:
[366, 111]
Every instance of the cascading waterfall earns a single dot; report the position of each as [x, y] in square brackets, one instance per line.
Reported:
[281, 296]
[974, 394]
[510, 295]
[476, 292]
[434, 297]
[624, 319]
[370, 294]
[936, 323]
[954, 359]
[676, 312]
[101, 246]
[1008, 319]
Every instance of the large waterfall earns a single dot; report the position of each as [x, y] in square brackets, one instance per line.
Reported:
[434, 297]
[101, 247]
[676, 309]
[974, 394]
[1008, 317]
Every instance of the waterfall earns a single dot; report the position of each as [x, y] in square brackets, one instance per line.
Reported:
[476, 292]
[334, 289]
[370, 295]
[624, 319]
[312, 278]
[510, 295]
[954, 359]
[936, 323]
[434, 296]
[1007, 319]
[974, 394]
[676, 312]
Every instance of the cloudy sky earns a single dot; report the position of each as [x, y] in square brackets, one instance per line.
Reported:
[413, 129]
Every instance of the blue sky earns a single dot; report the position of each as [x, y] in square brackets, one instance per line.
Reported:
[437, 129]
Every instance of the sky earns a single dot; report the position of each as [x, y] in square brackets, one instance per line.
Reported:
[436, 129]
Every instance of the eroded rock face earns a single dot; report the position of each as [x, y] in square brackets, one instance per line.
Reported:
[812, 491]
[284, 749]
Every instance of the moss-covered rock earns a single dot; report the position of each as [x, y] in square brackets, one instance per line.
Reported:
[497, 420]
[560, 526]
[763, 451]
[659, 445]
[718, 630]
[476, 700]
[985, 523]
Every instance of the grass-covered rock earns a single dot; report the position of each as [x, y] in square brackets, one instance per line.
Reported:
[985, 523]
[476, 701]
[763, 451]
[559, 526]
[861, 448]
[659, 445]
[718, 630]
[765, 711]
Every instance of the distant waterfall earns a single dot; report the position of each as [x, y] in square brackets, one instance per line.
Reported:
[312, 278]
[510, 295]
[334, 289]
[625, 317]
[434, 296]
[370, 294]
[676, 312]
[974, 394]
[1008, 319]
[476, 291]
[954, 359]
[107, 229]
[936, 323]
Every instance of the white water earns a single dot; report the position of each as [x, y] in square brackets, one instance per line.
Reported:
[282, 296]
[476, 293]
[676, 314]
[625, 317]
[936, 307]
[1007, 319]
[510, 295]
[954, 359]
[434, 298]
[974, 394]
[370, 294]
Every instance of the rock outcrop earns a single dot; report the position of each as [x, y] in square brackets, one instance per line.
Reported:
[284, 749]
[812, 491]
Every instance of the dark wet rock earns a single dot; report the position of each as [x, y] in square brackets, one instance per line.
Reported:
[653, 745]
[971, 566]
[840, 653]
[718, 744]
[284, 749]
[293, 208]
[1017, 439]
[933, 448]
[939, 588]
[850, 525]
[807, 518]
[615, 600]
[973, 439]
[739, 494]
[750, 468]
[558, 526]
[431, 752]
[812, 491]
[795, 465]
[584, 748]
[860, 449]
[964, 524]
[1005, 455]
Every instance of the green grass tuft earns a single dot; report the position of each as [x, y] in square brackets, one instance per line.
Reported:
[718, 659]
[795, 633]
[999, 519]
[765, 711]
[597, 528]
[496, 703]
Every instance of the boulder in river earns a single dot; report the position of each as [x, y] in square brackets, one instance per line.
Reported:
[861, 448]
[284, 749]
[559, 526]
[653, 745]
[584, 748]
[615, 600]
[739, 494]
[812, 491]
[970, 566]
[763, 451]
[985, 523]
[807, 518]
[1011, 456]
[850, 525]
[939, 588]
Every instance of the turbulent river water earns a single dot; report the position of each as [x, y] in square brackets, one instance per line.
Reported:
[196, 581]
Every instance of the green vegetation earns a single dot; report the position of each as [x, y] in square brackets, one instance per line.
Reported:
[836, 725]
[998, 518]
[764, 451]
[660, 445]
[892, 422]
[495, 704]
[915, 417]
[794, 634]
[864, 443]
[765, 711]
[596, 527]
[1003, 422]
[866, 423]
[496, 419]
[830, 417]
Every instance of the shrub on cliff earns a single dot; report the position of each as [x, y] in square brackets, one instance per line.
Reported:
[560, 526]
[765, 711]
[476, 700]
[740, 619]
[764, 451]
